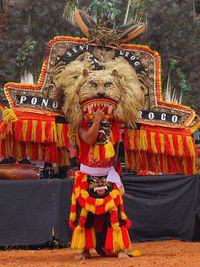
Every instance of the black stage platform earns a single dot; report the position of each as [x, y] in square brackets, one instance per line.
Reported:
[34, 212]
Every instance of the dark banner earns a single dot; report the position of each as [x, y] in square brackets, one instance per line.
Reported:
[160, 207]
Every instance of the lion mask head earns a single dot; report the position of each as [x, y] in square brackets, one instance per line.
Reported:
[118, 82]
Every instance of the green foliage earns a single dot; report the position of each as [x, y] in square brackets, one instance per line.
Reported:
[26, 54]
[172, 64]
[182, 80]
[101, 9]
[28, 29]
[171, 30]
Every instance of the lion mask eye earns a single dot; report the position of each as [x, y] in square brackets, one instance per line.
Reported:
[107, 84]
[93, 83]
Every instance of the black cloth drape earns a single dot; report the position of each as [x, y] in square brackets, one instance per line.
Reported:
[34, 212]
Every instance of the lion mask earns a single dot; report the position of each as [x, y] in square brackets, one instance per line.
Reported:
[118, 82]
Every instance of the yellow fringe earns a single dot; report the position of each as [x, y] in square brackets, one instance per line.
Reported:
[121, 200]
[96, 154]
[99, 201]
[43, 131]
[153, 143]
[72, 216]
[112, 137]
[54, 132]
[9, 117]
[33, 132]
[114, 193]
[91, 208]
[143, 141]
[109, 150]
[180, 145]
[84, 212]
[59, 134]
[77, 191]
[19, 151]
[162, 143]
[78, 238]
[110, 205]
[65, 157]
[8, 148]
[73, 200]
[115, 226]
[118, 243]
[171, 144]
[84, 194]
[190, 146]
[24, 129]
[84, 179]
[123, 216]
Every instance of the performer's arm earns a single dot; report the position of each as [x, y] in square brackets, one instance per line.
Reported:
[89, 136]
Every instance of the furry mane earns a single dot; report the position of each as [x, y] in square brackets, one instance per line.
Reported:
[74, 81]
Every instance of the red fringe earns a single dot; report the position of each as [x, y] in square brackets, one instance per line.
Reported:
[73, 208]
[128, 224]
[71, 224]
[114, 217]
[91, 200]
[29, 131]
[109, 239]
[65, 138]
[125, 236]
[100, 209]
[48, 131]
[82, 221]
[39, 132]
[115, 131]
[88, 238]
[101, 152]
[166, 157]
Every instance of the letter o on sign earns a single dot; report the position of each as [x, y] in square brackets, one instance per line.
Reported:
[34, 101]
[151, 116]
[55, 104]
[174, 118]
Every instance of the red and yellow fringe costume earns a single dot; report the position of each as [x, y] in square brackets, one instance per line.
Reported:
[84, 237]
[117, 237]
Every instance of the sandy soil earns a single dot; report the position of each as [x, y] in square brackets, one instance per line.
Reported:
[154, 254]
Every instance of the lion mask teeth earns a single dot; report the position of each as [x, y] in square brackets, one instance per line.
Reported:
[100, 188]
[92, 105]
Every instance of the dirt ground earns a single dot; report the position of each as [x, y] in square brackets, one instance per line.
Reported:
[154, 254]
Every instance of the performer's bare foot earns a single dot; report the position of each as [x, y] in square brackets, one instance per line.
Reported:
[122, 254]
[85, 254]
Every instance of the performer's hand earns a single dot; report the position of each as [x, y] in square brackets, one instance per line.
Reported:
[99, 114]
[89, 136]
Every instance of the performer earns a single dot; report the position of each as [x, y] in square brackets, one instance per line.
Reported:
[98, 190]
[98, 96]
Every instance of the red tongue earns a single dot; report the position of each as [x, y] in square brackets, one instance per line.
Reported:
[100, 191]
